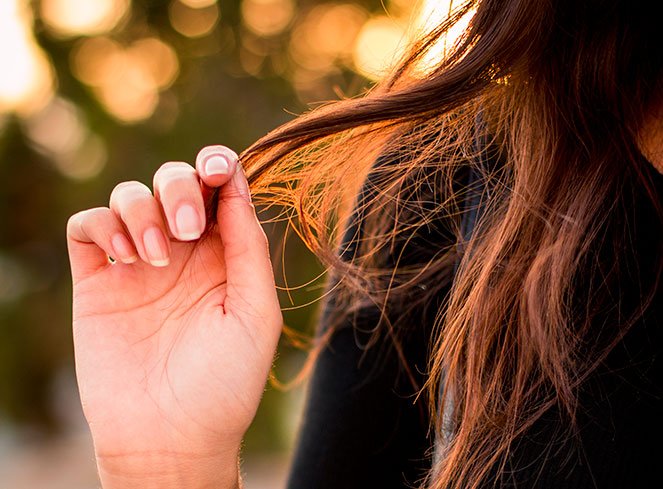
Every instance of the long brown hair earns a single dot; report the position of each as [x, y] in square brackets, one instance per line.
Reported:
[558, 90]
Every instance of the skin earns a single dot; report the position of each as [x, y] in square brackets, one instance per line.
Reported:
[174, 340]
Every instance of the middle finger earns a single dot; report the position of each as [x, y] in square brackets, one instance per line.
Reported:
[177, 187]
[139, 211]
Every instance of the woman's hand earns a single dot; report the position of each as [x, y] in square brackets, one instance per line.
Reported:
[175, 339]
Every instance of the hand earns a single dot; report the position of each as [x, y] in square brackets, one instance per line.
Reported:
[175, 339]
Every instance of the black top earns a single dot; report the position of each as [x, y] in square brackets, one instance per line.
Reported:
[362, 429]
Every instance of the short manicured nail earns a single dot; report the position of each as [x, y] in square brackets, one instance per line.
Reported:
[124, 252]
[156, 247]
[216, 165]
[187, 221]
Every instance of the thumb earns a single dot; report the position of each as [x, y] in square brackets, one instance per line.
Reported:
[251, 291]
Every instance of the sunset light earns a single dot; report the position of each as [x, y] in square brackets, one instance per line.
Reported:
[193, 19]
[267, 17]
[27, 78]
[380, 43]
[82, 17]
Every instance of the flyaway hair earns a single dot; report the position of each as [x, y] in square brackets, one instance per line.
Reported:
[558, 91]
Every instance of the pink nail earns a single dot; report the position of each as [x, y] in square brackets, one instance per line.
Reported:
[156, 247]
[187, 221]
[216, 164]
[124, 251]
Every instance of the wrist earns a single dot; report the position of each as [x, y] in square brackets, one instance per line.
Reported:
[169, 471]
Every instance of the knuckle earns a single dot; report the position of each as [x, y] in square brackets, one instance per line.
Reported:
[73, 223]
[176, 182]
[178, 186]
[138, 208]
[129, 184]
[174, 165]
[94, 217]
[170, 170]
[89, 221]
[128, 187]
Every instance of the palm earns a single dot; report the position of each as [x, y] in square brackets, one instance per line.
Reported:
[148, 338]
[173, 350]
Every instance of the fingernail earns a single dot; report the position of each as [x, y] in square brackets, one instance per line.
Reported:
[156, 247]
[188, 223]
[241, 183]
[124, 252]
[216, 165]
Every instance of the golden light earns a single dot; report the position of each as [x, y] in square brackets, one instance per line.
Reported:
[267, 17]
[70, 18]
[402, 8]
[27, 81]
[126, 80]
[432, 13]
[193, 21]
[326, 34]
[198, 3]
[158, 58]
[93, 59]
[380, 43]
[130, 94]
[87, 162]
[58, 129]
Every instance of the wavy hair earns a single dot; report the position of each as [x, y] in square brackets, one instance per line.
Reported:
[560, 89]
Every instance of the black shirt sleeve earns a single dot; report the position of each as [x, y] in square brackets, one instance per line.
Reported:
[362, 426]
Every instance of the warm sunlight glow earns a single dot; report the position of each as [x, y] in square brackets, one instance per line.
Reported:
[26, 83]
[157, 58]
[380, 43]
[93, 59]
[432, 13]
[198, 3]
[135, 101]
[126, 80]
[83, 17]
[326, 34]
[193, 21]
[402, 8]
[267, 17]
[87, 162]
[59, 131]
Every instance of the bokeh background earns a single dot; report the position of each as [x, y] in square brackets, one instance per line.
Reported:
[94, 92]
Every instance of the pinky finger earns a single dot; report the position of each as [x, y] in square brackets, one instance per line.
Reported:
[102, 228]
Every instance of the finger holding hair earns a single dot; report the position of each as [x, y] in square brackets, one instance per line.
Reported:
[216, 165]
[251, 288]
